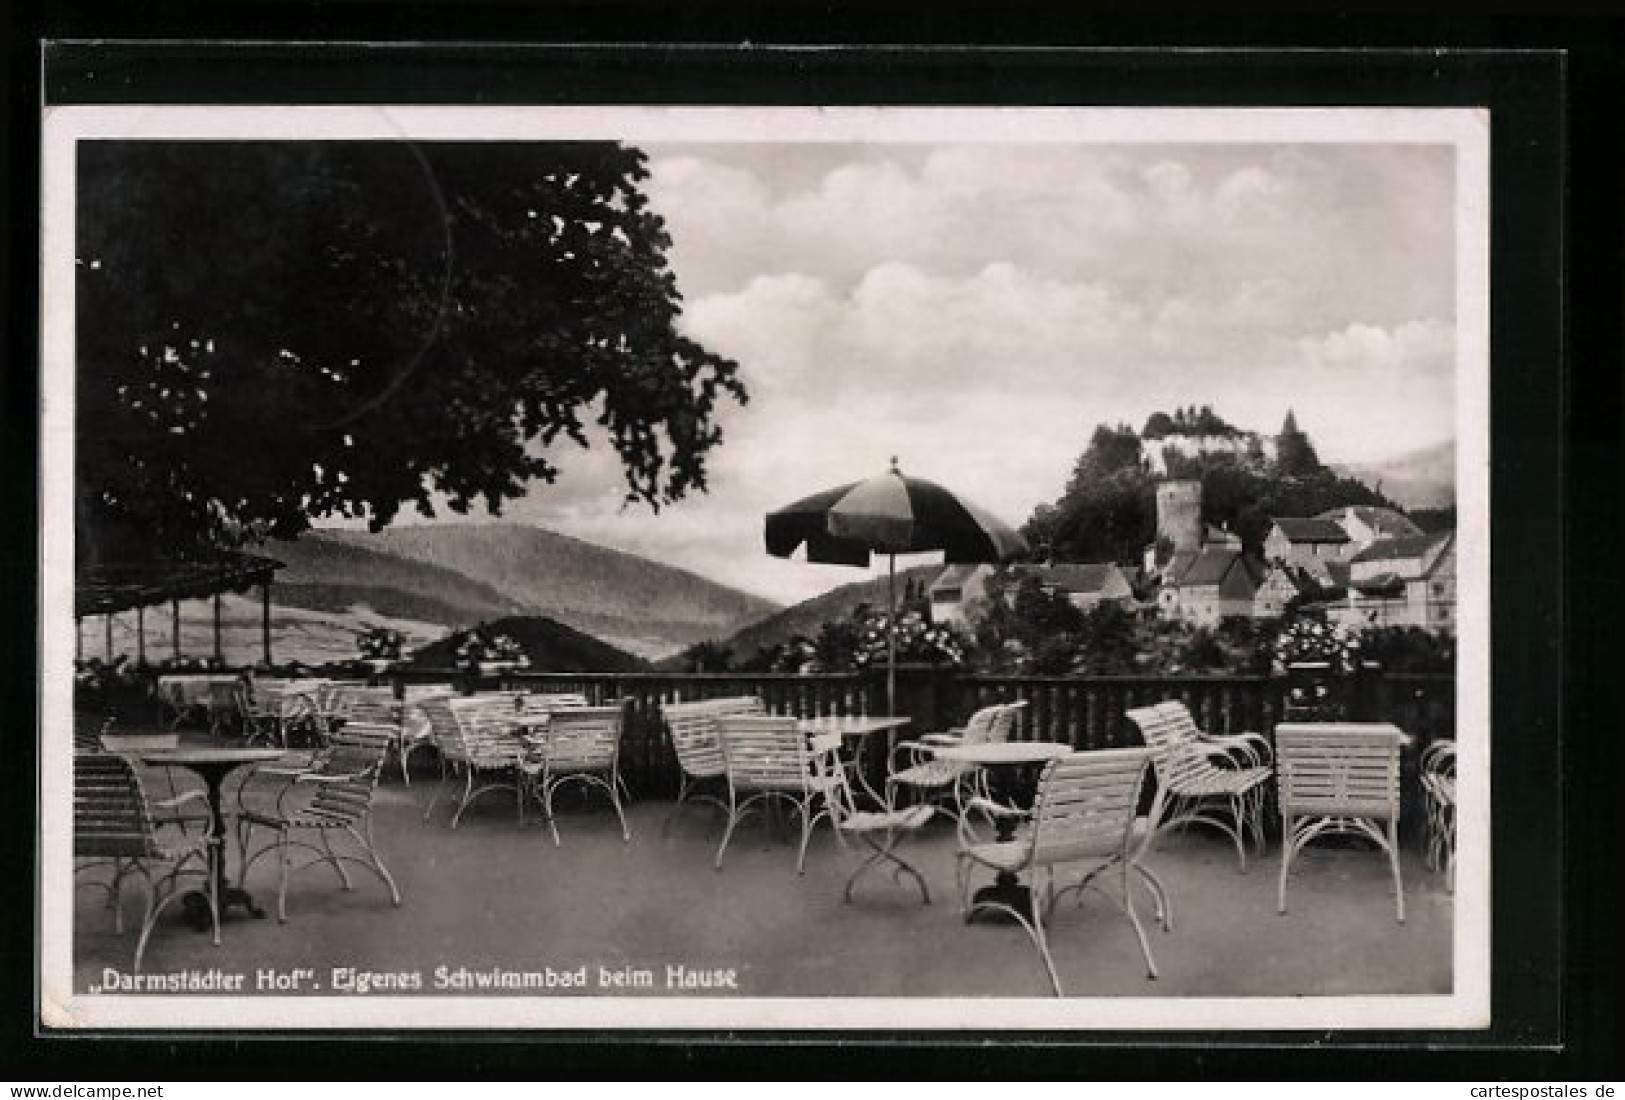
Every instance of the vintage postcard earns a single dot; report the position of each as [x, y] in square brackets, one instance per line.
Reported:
[789, 568]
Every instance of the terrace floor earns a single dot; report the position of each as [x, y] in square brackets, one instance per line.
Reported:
[491, 894]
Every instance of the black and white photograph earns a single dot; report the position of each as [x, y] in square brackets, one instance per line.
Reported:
[777, 567]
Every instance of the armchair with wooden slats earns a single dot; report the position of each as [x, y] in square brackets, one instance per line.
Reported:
[770, 759]
[1083, 815]
[1339, 779]
[478, 739]
[114, 827]
[332, 802]
[579, 746]
[1219, 782]
[931, 778]
[695, 737]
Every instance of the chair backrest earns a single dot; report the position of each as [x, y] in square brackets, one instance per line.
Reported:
[358, 740]
[979, 728]
[1086, 803]
[542, 704]
[1172, 736]
[110, 813]
[1338, 771]
[473, 727]
[765, 753]
[332, 696]
[375, 705]
[583, 738]
[695, 730]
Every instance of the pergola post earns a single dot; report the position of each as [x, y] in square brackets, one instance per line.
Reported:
[140, 635]
[265, 620]
[175, 628]
[219, 654]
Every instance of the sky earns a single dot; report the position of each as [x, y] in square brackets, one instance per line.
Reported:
[975, 310]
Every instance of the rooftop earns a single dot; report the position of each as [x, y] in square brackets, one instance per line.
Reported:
[1298, 529]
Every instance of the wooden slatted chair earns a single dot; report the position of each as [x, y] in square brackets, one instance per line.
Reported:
[416, 731]
[1217, 781]
[1083, 813]
[275, 708]
[476, 738]
[695, 737]
[332, 800]
[1339, 780]
[770, 759]
[1438, 774]
[114, 827]
[929, 777]
[580, 745]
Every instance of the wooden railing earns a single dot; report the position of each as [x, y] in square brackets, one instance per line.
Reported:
[1086, 712]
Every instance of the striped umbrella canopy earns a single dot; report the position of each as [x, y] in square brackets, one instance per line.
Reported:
[890, 514]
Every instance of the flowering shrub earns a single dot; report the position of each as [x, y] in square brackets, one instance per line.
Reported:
[380, 643]
[476, 648]
[918, 641]
[1313, 640]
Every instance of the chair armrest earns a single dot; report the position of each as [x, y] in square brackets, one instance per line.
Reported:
[947, 737]
[328, 777]
[993, 809]
[180, 800]
[1249, 749]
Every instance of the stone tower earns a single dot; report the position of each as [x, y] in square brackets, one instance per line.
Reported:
[1179, 513]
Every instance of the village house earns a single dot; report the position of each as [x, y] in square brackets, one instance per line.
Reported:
[1281, 584]
[1086, 586]
[1219, 583]
[955, 591]
[1405, 582]
[1306, 542]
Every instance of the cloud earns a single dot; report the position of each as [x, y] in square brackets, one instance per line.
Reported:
[976, 310]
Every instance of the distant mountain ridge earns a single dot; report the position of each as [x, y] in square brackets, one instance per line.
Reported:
[460, 574]
[1424, 478]
[807, 617]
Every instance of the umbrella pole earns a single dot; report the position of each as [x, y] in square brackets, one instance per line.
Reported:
[891, 635]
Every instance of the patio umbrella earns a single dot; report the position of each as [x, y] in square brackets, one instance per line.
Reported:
[890, 514]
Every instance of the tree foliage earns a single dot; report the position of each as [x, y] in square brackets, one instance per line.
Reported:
[1108, 511]
[274, 331]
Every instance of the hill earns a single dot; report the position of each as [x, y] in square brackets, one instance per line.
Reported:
[1416, 479]
[639, 605]
[550, 645]
[806, 617]
[326, 574]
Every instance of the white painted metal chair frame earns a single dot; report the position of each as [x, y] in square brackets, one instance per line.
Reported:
[477, 737]
[1084, 811]
[1339, 782]
[1438, 772]
[695, 739]
[114, 827]
[770, 760]
[334, 795]
[1220, 781]
[880, 831]
[579, 745]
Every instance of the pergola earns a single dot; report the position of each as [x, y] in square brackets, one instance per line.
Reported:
[109, 587]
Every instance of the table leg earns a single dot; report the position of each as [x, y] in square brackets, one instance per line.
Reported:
[1007, 889]
[196, 903]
